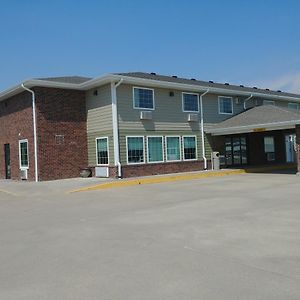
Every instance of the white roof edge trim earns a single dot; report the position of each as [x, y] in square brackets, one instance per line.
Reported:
[251, 127]
[92, 83]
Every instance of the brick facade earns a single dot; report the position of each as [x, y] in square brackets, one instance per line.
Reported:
[16, 124]
[62, 133]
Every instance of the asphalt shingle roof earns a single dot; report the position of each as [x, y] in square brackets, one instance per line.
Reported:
[67, 79]
[264, 114]
[154, 76]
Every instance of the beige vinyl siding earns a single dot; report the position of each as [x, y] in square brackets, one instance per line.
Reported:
[167, 115]
[92, 146]
[124, 133]
[99, 112]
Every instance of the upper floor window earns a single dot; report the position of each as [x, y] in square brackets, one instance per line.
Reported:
[268, 102]
[143, 98]
[293, 105]
[102, 151]
[225, 105]
[190, 102]
[23, 154]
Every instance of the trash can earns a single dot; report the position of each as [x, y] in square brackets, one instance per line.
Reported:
[215, 160]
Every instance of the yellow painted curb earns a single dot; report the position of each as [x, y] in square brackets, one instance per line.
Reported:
[160, 179]
[178, 177]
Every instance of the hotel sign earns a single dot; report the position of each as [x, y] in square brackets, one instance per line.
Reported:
[259, 129]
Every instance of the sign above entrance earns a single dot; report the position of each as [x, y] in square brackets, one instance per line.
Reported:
[259, 129]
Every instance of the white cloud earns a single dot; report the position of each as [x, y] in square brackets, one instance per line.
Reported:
[287, 83]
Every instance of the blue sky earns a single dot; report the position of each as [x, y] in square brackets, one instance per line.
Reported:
[249, 42]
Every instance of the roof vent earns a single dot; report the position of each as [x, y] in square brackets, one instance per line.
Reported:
[255, 87]
[153, 73]
[193, 79]
[267, 89]
[279, 91]
[174, 76]
[242, 85]
[211, 81]
[226, 83]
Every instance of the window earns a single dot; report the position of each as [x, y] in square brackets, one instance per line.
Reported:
[268, 102]
[173, 149]
[102, 151]
[189, 147]
[269, 147]
[155, 149]
[143, 98]
[190, 102]
[293, 106]
[225, 105]
[135, 149]
[23, 154]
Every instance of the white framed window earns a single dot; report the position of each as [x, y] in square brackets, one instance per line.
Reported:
[189, 147]
[268, 102]
[173, 148]
[293, 105]
[155, 149]
[23, 154]
[190, 102]
[269, 144]
[102, 151]
[135, 148]
[143, 98]
[225, 105]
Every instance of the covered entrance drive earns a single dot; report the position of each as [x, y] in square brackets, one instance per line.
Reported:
[262, 135]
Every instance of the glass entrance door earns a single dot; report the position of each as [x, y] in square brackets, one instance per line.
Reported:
[236, 151]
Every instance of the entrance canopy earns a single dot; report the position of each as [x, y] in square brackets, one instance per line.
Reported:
[258, 119]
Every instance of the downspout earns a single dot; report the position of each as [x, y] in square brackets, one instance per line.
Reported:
[116, 125]
[202, 130]
[34, 132]
[250, 97]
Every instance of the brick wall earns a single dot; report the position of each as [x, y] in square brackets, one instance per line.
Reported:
[62, 133]
[15, 125]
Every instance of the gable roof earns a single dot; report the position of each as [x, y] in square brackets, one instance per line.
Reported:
[259, 118]
[67, 79]
[207, 84]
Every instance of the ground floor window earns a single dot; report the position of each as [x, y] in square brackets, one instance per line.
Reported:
[189, 147]
[135, 149]
[155, 149]
[102, 151]
[173, 148]
[236, 153]
[23, 154]
[269, 147]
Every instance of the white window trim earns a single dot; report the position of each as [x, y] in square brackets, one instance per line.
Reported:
[293, 103]
[144, 148]
[162, 146]
[143, 88]
[268, 102]
[100, 138]
[196, 145]
[180, 148]
[223, 113]
[269, 136]
[23, 141]
[189, 111]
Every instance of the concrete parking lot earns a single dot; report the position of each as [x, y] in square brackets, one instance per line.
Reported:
[234, 237]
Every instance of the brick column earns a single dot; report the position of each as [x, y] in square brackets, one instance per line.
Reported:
[298, 146]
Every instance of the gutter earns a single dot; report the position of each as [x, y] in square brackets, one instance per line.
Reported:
[116, 126]
[245, 101]
[202, 130]
[34, 131]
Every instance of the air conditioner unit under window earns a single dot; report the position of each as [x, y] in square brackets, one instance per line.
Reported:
[146, 115]
[24, 174]
[193, 118]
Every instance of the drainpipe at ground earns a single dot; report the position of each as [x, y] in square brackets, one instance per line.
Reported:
[116, 126]
[202, 129]
[36, 176]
